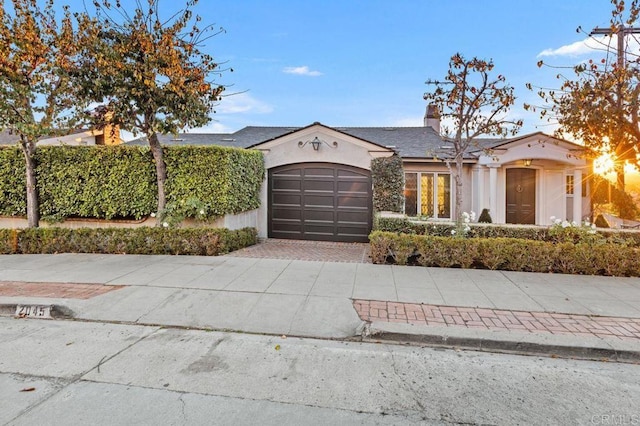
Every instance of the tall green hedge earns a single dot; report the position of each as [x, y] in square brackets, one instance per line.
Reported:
[107, 182]
[221, 180]
[388, 184]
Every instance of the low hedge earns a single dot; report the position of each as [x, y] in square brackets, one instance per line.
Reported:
[143, 240]
[479, 230]
[509, 254]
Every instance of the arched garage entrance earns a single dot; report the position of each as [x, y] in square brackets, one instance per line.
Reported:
[320, 201]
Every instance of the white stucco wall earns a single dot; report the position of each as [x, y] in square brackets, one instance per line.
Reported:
[552, 159]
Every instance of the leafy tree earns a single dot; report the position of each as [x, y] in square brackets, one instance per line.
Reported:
[149, 72]
[35, 93]
[600, 104]
[604, 193]
[476, 104]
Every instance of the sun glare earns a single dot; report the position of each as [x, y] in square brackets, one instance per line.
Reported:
[603, 165]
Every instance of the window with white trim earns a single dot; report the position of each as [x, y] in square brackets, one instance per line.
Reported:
[427, 194]
[569, 184]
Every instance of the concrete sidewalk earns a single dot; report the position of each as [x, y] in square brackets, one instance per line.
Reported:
[319, 299]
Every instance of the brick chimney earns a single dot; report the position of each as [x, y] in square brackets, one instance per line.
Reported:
[432, 118]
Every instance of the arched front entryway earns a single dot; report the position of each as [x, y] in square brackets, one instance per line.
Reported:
[320, 201]
[521, 196]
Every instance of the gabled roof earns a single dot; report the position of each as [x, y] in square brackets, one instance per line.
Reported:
[409, 142]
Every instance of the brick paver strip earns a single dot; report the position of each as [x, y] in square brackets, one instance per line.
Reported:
[322, 251]
[498, 319]
[54, 290]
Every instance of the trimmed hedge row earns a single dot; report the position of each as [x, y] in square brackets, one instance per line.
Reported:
[107, 182]
[388, 183]
[536, 233]
[509, 254]
[143, 240]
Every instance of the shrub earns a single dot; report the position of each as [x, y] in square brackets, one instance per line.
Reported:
[485, 217]
[511, 254]
[388, 184]
[601, 222]
[536, 233]
[143, 240]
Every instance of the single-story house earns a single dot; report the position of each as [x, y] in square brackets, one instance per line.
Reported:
[78, 137]
[318, 183]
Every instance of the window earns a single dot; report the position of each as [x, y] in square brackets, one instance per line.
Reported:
[569, 184]
[428, 194]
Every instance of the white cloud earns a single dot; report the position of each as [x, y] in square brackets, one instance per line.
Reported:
[578, 48]
[213, 127]
[592, 45]
[242, 103]
[303, 70]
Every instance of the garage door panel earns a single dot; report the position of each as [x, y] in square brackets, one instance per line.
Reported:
[319, 185]
[354, 186]
[287, 230]
[286, 199]
[319, 172]
[325, 201]
[292, 173]
[287, 184]
[319, 215]
[353, 217]
[287, 214]
[318, 201]
[355, 174]
[353, 202]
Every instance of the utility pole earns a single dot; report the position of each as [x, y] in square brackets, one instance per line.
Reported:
[621, 32]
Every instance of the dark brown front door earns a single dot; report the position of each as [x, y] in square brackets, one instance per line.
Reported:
[320, 201]
[521, 196]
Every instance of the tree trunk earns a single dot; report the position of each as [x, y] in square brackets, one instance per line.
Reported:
[618, 169]
[161, 174]
[459, 183]
[33, 208]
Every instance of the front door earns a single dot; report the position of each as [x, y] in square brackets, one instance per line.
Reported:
[521, 196]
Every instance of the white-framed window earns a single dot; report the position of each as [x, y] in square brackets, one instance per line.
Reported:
[569, 184]
[427, 194]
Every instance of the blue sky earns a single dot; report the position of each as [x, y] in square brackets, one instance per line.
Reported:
[364, 63]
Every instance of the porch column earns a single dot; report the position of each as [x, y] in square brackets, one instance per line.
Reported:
[493, 191]
[577, 196]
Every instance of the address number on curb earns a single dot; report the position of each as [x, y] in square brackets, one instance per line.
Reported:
[33, 311]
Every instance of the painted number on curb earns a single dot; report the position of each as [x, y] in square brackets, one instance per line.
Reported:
[33, 311]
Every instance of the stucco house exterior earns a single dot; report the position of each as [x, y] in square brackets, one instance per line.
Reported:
[79, 137]
[318, 182]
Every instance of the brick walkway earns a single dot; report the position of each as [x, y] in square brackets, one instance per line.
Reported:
[496, 319]
[54, 290]
[322, 251]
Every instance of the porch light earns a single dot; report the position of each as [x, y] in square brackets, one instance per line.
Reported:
[527, 162]
[316, 143]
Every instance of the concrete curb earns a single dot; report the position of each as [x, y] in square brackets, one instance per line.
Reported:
[57, 311]
[564, 346]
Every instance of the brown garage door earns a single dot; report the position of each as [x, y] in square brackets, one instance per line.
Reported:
[320, 201]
